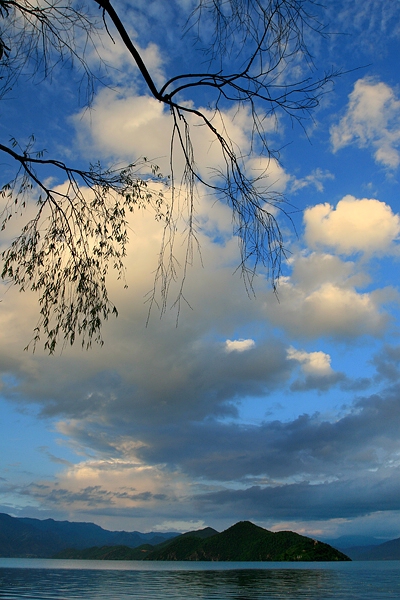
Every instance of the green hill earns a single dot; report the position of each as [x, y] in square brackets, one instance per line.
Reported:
[126, 553]
[241, 542]
[246, 542]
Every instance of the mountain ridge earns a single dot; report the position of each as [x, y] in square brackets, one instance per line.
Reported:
[387, 551]
[243, 541]
[23, 537]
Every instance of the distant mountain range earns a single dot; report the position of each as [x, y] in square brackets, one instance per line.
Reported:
[360, 547]
[386, 551]
[24, 537]
[350, 541]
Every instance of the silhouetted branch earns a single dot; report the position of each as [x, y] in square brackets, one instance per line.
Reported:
[79, 232]
[253, 57]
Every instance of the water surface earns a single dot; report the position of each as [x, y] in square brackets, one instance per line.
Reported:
[41, 579]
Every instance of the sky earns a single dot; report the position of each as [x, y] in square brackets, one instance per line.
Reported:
[282, 409]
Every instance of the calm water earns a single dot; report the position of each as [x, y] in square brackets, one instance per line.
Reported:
[40, 579]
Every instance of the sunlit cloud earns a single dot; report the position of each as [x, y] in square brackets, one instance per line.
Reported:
[239, 345]
[316, 370]
[313, 363]
[372, 120]
[354, 225]
[324, 297]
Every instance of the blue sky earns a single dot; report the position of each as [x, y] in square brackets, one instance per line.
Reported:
[281, 410]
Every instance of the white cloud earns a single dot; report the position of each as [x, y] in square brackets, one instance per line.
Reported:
[372, 120]
[312, 363]
[337, 311]
[315, 178]
[239, 345]
[316, 371]
[322, 298]
[272, 175]
[147, 495]
[126, 126]
[355, 225]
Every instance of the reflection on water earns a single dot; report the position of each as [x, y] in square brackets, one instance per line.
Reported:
[155, 585]
[250, 585]
[322, 584]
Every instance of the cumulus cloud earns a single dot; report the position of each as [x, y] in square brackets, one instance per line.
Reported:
[316, 368]
[116, 61]
[162, 371]
[126, 125]
[313, 363]
[109, 487]
[270, 174]
[334, 310]
[323, 297]
[239, 345]
[372, 120]
[355, 225]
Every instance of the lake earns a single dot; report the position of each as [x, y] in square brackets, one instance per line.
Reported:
[44, 579]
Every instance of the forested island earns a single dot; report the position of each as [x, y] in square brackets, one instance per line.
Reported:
[244, 541]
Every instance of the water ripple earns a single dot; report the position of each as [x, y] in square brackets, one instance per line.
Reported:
[358, 583]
